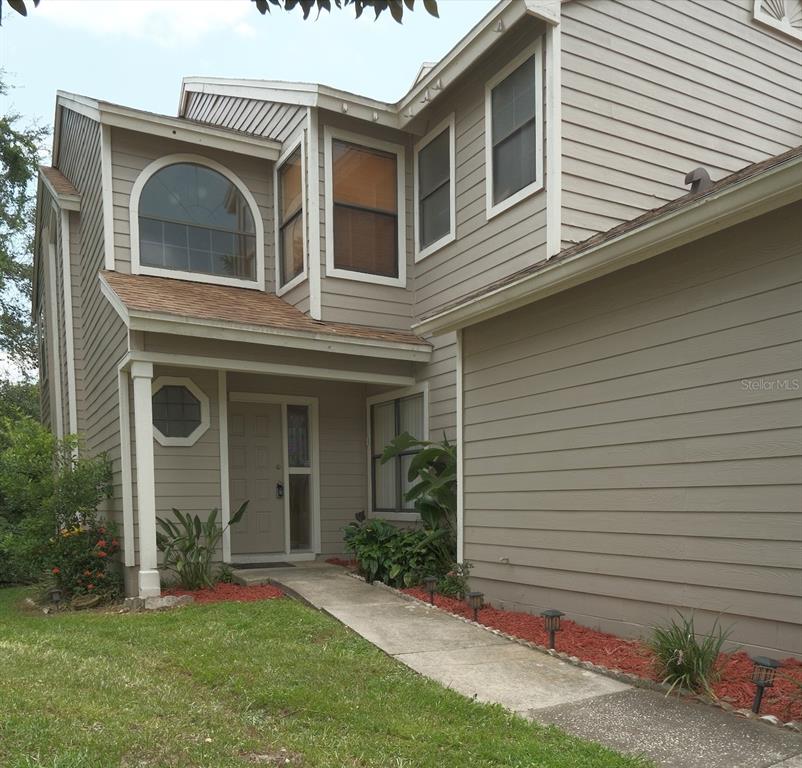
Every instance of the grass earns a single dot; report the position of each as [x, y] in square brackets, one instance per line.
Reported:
[232, 685]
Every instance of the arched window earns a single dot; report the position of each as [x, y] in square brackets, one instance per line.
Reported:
[194, 219]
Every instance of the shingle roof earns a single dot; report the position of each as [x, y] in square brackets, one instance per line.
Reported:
[60, 183]
[625, 227]
[182, 298]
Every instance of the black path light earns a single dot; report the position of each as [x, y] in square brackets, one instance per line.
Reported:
[430, 582]
[56, 596]
[763, 674]
[551, 618]
[477, 601]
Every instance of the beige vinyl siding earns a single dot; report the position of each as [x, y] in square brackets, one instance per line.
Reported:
[43, 301]
[352, 301]
[654, 89]
[617, 463]
[484, 251]
[343, 453]
[103, 340]
[77, 318]
[132, 152]
[441, 374]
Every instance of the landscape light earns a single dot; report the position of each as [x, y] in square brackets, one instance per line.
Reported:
[430, 582]
[763, 674]
[476, 600]
[551, 618]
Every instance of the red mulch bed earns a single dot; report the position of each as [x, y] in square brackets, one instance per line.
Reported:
[229, 592]
[350, 564]
[784, 699]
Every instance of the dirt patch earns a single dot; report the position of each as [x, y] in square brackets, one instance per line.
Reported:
[282, 757]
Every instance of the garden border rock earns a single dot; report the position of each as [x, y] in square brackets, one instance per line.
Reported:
[615, 674]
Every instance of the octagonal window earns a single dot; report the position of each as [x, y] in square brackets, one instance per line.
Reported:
[180, 411]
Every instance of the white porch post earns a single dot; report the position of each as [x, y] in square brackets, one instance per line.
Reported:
[142, 376]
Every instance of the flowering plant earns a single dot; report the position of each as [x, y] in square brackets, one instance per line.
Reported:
[82, 560]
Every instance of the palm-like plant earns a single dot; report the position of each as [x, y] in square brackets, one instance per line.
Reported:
[190, 545]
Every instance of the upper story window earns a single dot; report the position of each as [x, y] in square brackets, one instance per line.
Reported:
[513, 118]
[290, 229]
[365, 225]
[192, 218]
[435, 218]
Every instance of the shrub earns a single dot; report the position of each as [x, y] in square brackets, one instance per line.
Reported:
[82, 560]
[190, 545]
[683, 660]
[397, 557]
[455, 582]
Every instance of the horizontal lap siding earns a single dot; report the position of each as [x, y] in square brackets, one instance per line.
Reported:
[441, 375]
[654, 89]
[102, 341]
[484, 251]
[132, 153]
[619, 464]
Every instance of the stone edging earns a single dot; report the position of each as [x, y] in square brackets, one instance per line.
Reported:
[615, 674]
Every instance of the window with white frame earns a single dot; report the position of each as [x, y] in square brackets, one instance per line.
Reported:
[290, 220]
[388, 420]
[435, 220]
[513, 113]
[193, 219]
[180, 411]
[365, 224]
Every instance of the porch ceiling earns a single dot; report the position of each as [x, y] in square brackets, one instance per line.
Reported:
[167, 305]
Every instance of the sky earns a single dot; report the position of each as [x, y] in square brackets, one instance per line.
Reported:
[135, 52]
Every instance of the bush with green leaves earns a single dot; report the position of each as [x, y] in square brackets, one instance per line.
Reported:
[190, 545]
[455, 582]
[45, 487]
[82, 560]
[399, 558]
[683, 660]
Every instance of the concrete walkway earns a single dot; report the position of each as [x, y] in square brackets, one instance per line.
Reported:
[486, 667]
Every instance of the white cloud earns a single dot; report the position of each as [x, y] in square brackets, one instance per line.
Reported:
[167, 23]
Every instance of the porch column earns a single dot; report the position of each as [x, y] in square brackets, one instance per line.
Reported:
[142, 376]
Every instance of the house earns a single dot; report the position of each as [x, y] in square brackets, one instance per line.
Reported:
[249, 300]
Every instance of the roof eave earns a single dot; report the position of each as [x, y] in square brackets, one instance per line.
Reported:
[65, 201]
[731, 205]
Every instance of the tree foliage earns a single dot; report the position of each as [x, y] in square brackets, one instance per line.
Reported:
[19, 160]
[394, 7]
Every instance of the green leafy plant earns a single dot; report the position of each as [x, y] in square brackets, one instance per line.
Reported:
[190, 545]
[682, 659]
[455, 582]
[433, 474]
[82, 560]
[400, 558]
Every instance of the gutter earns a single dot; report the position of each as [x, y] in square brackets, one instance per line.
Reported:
[712, 213]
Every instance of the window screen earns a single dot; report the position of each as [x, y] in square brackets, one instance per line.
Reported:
[434, 190]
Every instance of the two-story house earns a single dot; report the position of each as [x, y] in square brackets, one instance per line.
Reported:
[249, 300]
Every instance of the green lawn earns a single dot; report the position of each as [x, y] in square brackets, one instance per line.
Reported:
[222, 685]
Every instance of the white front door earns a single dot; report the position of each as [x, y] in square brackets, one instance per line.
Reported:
[256, 474]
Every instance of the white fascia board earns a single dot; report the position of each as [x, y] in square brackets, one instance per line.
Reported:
[300, 94]
[710, 214]
[65, 202]
[545, 10]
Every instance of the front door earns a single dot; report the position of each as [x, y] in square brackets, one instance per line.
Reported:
[256, 473]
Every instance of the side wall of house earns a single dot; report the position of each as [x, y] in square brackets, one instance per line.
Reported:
[632, 446]
[103, 340]
[652, 90]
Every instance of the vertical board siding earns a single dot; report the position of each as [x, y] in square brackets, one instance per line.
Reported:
[132, 152]
[652, 90]
[634, 445]
[484, 250]
[103, 339]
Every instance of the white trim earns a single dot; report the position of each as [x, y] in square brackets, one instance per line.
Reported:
[53, 318]
[312, 137]
[451, 235]
[277, 369]
[69, 331]
[554, 139]
[783, 26]
[493, 209]
[107, 194]
[139, 269]
[313, 470]
[460, 451]
[298, 279]
[733, 204]
[205, 416]
[168, 127]
[129, 546]
[329, 135]
[420, 387]
[149, 583]
[225, 490]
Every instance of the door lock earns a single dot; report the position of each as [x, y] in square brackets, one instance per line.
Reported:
[279, 490]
